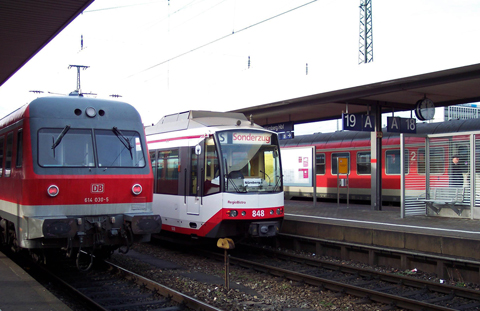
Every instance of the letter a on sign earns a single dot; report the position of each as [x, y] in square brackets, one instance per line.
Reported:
[368, 123]
[394, 124]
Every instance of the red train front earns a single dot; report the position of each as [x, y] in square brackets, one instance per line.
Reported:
[74, 176]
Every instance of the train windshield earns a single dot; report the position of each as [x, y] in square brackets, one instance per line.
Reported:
[65, 147]
[119, 148]
[75, 148]
[250, 161]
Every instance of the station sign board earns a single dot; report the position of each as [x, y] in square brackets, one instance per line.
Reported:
[358, 122]
[284, 130]
[401, 125]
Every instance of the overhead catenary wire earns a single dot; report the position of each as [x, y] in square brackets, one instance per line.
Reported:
[223, 37]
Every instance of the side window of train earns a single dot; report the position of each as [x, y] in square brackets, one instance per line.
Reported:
[153, 159]
[392, 162]
[437, 160]
[364, 165]
[320, 163]
[334, 161]
[2, 150]
[8, 158]
[19, 158]
[168, 165]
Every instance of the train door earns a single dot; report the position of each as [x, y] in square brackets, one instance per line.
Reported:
[195, 176]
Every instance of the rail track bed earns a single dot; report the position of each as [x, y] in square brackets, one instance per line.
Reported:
[111, 287]
[397, 291]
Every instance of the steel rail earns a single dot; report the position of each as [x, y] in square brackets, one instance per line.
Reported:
[358, 291]
[177, 296]
[184, 301]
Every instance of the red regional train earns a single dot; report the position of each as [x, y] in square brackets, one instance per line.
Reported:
[74, 176]
[216, 175]
[355, 146]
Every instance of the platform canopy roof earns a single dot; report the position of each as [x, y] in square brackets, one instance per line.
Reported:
[26, 26]
[448, 87]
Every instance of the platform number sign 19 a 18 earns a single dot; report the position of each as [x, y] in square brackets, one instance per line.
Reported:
[358, 122]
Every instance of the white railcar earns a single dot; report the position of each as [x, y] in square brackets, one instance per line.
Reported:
[216, 175]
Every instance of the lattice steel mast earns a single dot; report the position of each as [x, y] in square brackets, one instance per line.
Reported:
[365, 51]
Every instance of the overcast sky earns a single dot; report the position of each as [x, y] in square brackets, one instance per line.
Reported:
[170, 56]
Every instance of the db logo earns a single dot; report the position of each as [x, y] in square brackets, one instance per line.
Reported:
[98, 188]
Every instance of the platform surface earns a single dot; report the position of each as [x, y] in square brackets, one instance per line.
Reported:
[358, 223]
[20, 292]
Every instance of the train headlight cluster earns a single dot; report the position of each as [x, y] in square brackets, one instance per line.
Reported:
[53, 191]
[279, 211]
[136, 189]
[232, 213]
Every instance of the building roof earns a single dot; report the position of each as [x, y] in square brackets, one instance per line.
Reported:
[26, 26]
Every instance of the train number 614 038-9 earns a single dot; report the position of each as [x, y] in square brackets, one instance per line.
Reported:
[97, 200]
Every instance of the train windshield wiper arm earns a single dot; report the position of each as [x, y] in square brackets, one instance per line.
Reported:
[59, 137]
[125, 141]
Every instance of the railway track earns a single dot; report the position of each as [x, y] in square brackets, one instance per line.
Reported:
[396, 291]
[112, 288]
[463, 270]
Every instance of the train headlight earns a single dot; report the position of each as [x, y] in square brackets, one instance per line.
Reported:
[232, 213]
[136, 189]
[244, 213]
[271, 212]
[90, 112]
[279, 211]
[53, 191]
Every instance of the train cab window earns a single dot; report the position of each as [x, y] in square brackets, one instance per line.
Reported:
[19, 157]
[8, 158]
[193, 172]
[364, 163]
[337, 155]
[65, 147]
[437, 160]
[168, 166]
[118, 148]
[392, 162]
[320, 163]
[250, 161]
[212, 168]
[2, 141]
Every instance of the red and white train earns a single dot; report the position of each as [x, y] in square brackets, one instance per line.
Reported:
[216, 175]
[355, 146]
[74, 176]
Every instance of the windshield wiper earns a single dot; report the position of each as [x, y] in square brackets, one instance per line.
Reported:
[59, 138]
[125, 141]
[278, 183]
[229, 180]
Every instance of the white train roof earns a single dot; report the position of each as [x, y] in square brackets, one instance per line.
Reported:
[198, 119]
